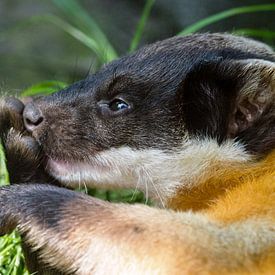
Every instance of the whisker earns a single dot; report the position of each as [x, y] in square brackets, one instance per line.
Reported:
[89, 69]
[150, 180]
[85, 187]
[75, 69]
[159, 195]
[146, 193]
[135, 191]
[79, 182]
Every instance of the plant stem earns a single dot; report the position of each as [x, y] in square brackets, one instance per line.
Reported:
[225, 14]
[141, 24]
[4, 177]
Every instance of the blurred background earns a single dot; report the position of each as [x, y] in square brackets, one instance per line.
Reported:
[63, 40]
[48, 44]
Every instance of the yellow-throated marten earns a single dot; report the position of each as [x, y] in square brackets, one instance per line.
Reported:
[188, 120]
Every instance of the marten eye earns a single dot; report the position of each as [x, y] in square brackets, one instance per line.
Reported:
[118, 105]
[114, 107]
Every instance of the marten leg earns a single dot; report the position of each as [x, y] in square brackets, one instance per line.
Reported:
[24, 161]
[79, 234]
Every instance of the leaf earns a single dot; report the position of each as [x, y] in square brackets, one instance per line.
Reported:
[4, 176]
[225, 14]
[262, 33]
[84, 23]
[141, 24]
[44, 88]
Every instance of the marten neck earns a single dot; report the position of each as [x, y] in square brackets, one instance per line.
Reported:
[217, 180]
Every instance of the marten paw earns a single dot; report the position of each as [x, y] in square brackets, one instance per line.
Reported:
[24, 155]
[11, 110]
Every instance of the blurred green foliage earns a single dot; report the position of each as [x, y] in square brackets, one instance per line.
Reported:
[80, 25]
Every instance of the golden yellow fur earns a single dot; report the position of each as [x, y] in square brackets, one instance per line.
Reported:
[236, 194]
[231, 185]
[253, 194]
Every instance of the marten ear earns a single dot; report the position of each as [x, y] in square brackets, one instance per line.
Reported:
[222, 99]
[255, 96]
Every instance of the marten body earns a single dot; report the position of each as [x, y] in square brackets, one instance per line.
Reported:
[191, 121]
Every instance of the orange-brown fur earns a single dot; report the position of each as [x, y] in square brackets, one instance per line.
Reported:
[225, 184]
[234, 194]
[252, 196]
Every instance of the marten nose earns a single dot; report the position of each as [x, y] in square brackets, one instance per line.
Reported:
[33, 117]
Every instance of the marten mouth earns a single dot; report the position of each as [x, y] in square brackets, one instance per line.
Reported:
[64, 171]
[60, 169]
[65, 167]
[54, 166]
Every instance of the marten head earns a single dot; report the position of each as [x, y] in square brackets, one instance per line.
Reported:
[163, 112]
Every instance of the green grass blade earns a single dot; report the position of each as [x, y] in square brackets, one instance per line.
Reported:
[4, 176]
[101, 50]
[261, 33]
[11, 257]
[103, 54]
[79, 18]
[141, 24]
[225, 14]
[44, 88]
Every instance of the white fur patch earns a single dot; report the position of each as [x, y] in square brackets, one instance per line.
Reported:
[153, 171]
